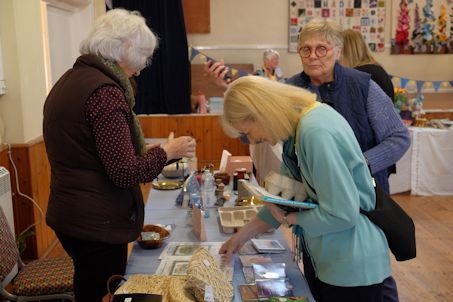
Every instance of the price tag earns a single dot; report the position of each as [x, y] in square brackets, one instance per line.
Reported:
[209, 294]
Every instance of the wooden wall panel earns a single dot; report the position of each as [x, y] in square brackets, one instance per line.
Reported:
[197, 16]
[34, 181]
[40, 174]
[204, 128]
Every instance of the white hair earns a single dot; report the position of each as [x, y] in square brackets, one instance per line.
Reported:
[269, 53]
[121, 36]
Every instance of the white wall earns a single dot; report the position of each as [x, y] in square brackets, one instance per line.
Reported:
[31, 63]
[255, 23]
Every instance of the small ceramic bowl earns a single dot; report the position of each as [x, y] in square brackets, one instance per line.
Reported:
[153, 244]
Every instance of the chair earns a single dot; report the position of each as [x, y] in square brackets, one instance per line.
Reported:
[46, 279]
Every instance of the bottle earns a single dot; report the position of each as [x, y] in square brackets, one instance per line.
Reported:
[207, 188]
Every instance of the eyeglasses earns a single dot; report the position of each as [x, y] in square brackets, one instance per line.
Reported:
[245, 139]
[320, 51]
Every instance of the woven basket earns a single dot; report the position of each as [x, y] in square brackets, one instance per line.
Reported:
[202, 271]
[170, 287]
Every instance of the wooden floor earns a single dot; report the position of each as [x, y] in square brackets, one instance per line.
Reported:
[429, 277]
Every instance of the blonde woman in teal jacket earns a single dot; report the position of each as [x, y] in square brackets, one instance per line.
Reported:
[349, 253]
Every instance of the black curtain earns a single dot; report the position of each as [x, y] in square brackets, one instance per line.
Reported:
[163, 87]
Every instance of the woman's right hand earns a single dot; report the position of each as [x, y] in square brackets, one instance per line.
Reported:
[217, 72]
[230, 247]
[183, 146]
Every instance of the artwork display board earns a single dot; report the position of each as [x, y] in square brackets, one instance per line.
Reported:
[422, 27]
[365, 16]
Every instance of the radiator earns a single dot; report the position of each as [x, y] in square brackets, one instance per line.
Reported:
[6, 201]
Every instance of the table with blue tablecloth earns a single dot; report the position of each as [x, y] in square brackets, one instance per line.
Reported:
[162, 209]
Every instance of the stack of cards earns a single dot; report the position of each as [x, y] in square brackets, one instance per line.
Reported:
[268, 246]
[270, 280]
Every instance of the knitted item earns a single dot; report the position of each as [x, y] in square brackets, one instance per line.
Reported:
[204, 271]
[125, 82]
[170, 287]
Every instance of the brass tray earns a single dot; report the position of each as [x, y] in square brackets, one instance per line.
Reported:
[167, 185]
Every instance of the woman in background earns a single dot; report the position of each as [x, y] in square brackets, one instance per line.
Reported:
[356, 54]
[97, 152]
[270, 69]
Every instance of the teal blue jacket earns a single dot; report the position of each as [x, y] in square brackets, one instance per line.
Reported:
[345, 247]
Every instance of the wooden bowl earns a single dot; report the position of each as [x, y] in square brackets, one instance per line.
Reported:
[153, 244]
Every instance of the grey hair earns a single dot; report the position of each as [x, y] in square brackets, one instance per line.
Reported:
[269, 53]
[329, 29]
[121, 36]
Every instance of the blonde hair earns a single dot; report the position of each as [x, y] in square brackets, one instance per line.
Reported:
[355, 51]
[121, 36]
[330, 30]
[273, 105]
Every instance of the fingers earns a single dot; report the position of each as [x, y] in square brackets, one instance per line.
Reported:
[183, 146]
[171, 136]
[227, 249]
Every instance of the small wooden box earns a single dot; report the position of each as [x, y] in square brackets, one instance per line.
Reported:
[238, 162]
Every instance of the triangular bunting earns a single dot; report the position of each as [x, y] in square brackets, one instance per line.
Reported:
[202, 57]
[404, 82]
[419, 85]
[436, 85]
[194, 53]
[242, 73]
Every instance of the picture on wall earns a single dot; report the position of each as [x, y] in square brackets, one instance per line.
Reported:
[365, 16]
[422, 27]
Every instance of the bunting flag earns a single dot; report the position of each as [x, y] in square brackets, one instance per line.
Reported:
[437, 85]
[195, 53]
[403, 82]
[420, 85]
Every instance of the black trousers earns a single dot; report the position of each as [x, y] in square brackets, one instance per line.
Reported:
[323, 292]
[94, 263]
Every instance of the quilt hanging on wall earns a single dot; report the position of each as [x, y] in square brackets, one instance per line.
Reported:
[365, 16]
[422, 27]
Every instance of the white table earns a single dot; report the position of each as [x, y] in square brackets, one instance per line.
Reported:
[427, 167]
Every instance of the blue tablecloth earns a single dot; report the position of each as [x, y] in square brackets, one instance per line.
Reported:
[161, 208]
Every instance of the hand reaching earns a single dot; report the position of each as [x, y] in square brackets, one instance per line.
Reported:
[230, 247]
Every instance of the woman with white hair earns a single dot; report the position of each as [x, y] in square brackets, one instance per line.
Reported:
[270, 69]
[97, 152]
[349, 253]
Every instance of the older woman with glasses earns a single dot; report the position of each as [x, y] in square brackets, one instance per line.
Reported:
[381, 134]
